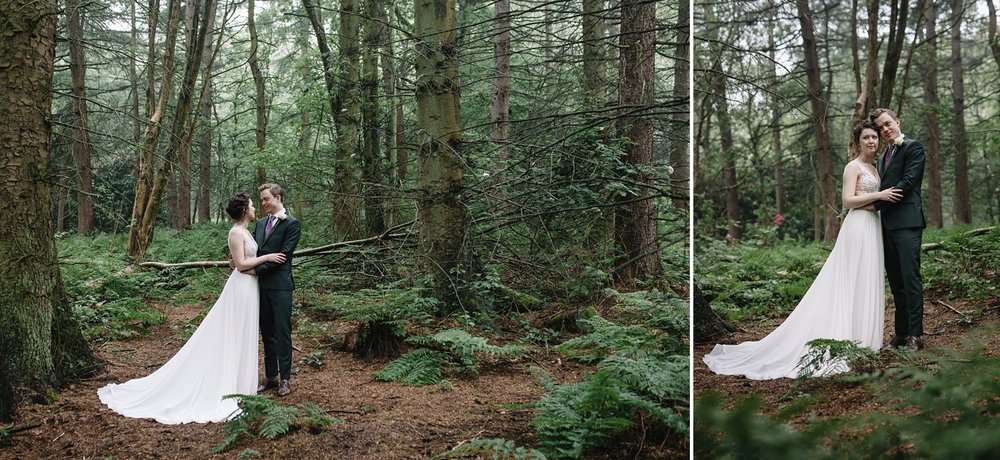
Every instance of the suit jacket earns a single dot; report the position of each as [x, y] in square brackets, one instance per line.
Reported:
[905, 171]
[284, 237]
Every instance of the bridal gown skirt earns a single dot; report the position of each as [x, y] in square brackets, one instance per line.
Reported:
[219, 359]
[845, 302]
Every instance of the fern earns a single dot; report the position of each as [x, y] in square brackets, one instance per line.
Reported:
[651, 375]
[577, 417]
[494, 448]
[462, 348]
[605, 338]
[261, 416]
[829, 356]
[418, 367]
[452, 351]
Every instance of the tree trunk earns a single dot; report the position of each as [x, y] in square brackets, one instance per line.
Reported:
[635, 222]
[205, 138]
[721, 111]
[866, 95]
[140, 235]
[897, 37]
[992, 30]
[962, 205]
[81, 138]
[260, 103]
[779, 170]
[40, 345]
[680, 155]
[440, 209]
[933, 143]
[500, 108]
[595, 78]
[373, 36]
[708, 326]
[818, 106]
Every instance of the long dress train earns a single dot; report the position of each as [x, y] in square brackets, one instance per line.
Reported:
[845, 302]
[219, 359]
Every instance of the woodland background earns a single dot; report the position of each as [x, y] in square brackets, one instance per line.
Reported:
[777, 88]
[466, 173]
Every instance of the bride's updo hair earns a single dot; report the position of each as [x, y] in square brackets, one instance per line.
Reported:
[238, 205]
[854, 149]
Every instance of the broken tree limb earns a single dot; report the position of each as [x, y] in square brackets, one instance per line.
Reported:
[320, 250]
[978, 231]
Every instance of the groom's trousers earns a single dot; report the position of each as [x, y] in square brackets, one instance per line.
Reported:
[902, 267]
[276, 332]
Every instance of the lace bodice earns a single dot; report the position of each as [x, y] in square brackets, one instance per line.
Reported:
[249, 245]
[867, 183]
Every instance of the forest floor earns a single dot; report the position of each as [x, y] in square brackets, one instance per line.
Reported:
[382, 420]
[945, 330]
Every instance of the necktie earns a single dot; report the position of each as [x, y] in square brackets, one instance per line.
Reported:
[888, 156]
[269, 226]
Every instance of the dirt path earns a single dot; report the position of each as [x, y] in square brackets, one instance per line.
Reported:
[381, 420]
[943, 331]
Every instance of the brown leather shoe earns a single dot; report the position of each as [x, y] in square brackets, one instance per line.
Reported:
[284, 388]
[267, 384]
[915, 343]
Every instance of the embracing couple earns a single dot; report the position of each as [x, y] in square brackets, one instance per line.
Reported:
[220, 358]
[883, 228]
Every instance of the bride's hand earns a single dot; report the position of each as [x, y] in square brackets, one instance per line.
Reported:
[276, 257]
[892, 195]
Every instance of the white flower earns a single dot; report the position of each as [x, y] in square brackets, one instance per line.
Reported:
[898, 140]
[281, 215]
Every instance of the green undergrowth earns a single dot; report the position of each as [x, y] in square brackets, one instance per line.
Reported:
[262, 417]
[939, 406]
[746, 282]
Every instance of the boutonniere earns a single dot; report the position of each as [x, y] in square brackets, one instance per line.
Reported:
[281, 215]
[898, 140]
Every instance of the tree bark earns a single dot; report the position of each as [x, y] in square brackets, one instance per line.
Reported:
[260, 103]
[40, 344]
[933, 143]
[680, 155]
[818, 106]
[708, 326]
[205, 138]
[779, 170]
[635, 223]
[141, 235]
[897, 37]
[595, 76]
[992, 31]
[962, 205]
[373, 175]
[441, 181]
[500, 107]
[81, 137]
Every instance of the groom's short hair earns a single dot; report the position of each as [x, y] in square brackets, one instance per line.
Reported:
[275, 189]
[879, 111]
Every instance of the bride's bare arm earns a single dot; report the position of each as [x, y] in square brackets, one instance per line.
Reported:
[853, 200]
[241, 261]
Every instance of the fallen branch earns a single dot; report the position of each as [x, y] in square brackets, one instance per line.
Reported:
[941, 302]
[320, 250]
[12, 430]
[939, 245]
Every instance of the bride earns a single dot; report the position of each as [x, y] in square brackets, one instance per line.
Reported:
[846, 300]
[219, 359]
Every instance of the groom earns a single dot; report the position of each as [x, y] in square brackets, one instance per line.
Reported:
[902, 167]
[276, 232]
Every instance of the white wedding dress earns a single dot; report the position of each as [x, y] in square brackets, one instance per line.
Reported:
[845, 302]
[219, 359]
